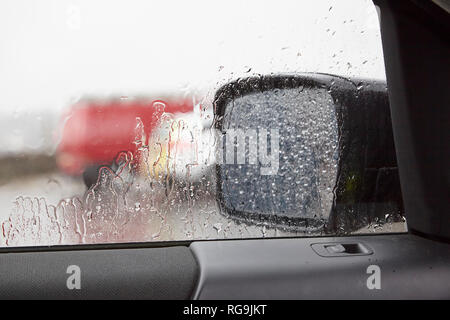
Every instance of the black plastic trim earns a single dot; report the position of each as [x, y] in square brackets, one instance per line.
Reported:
[416, 48]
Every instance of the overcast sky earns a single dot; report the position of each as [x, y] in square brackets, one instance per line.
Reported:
[54, 51]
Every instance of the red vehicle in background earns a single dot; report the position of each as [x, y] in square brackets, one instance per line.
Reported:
[96, 131]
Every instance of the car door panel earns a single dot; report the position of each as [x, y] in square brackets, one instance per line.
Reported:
[410, 268]
[146, 273]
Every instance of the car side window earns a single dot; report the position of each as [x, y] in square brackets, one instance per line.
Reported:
[172, 120]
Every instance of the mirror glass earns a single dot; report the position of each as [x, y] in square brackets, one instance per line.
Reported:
[278, 156]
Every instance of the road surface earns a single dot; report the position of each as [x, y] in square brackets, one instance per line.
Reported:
[53, 209]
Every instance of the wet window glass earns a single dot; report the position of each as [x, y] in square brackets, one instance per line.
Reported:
[137, 121]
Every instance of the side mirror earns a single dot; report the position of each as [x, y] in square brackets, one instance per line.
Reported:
[308, 152]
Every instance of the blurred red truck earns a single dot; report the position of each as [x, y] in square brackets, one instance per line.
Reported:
[95, 131]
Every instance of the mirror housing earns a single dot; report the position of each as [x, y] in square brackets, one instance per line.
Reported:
[334, 132]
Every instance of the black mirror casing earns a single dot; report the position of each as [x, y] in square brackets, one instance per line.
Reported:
[367, 188]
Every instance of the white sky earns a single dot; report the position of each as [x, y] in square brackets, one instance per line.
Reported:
[54, 51]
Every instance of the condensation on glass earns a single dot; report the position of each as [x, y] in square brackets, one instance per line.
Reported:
[107, 124]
